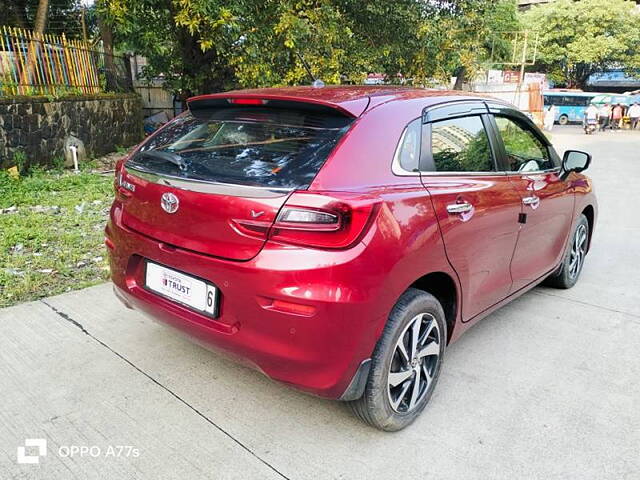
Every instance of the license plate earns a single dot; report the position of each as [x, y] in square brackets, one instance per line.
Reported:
[182, 288]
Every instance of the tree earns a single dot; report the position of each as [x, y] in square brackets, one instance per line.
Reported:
[107, 44]
[341, 41]
[472, 34]
[167, 33]
[580, 38]
[62, 16]
[211, 45]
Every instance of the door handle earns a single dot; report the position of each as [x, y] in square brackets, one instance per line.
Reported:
[459, 207]
[533, 201]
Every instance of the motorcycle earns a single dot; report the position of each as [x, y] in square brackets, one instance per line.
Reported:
[591, 126]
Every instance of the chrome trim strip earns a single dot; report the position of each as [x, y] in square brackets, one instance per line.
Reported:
[399, 171]
[462, 174]
[535, 172]
[202, 186]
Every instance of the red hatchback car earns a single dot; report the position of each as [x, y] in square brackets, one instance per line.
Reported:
[339, 238]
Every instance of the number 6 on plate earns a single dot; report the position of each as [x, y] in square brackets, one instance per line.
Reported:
[210, 306]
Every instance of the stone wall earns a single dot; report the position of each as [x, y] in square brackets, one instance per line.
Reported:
[39, 126]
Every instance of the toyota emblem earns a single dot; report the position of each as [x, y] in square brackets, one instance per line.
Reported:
[169, 202]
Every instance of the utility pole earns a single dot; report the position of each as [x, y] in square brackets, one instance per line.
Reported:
[524, 55]
[519, 59]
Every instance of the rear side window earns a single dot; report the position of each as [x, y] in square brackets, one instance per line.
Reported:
[408, 151]
[460, 145]
[252, 146]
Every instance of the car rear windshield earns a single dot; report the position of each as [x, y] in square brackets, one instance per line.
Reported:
[253, 146]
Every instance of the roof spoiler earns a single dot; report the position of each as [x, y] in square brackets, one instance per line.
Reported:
[225, 100]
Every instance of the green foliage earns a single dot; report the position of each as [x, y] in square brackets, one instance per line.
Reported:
[20, 160]
[475, 157]
[201, 46]
[57, 163]
[52, 242]
[580, 38]
[517, 142]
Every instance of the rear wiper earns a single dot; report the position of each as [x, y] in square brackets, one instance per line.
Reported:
[166, 156]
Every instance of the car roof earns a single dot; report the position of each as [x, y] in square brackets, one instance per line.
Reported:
[352, 100]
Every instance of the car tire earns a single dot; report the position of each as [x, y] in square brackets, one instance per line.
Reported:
[563, 120]
[390, 403]
[569, 271]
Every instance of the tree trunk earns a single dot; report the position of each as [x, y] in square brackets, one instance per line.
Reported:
[461, 76]
[206, 71]
[107, 43]
[41, 17]
[39, 26]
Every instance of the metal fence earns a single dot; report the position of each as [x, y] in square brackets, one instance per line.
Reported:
[33, 64]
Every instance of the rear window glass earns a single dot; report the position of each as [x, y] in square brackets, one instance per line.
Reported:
[253, 146]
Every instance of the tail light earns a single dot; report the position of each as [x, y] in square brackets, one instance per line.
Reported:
[121, 185]
[118, 175]
[322, 220]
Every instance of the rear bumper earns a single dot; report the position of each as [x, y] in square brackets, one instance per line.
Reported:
[318, 353]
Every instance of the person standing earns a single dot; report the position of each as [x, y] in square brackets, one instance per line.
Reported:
[590, 118]
[550, 118]
[616, 117]
[603, 116]
[634, 115]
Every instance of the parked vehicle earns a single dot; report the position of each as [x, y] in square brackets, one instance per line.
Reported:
[570, 104]
[339, 238]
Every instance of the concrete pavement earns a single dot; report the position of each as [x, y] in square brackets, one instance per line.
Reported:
[547, 387]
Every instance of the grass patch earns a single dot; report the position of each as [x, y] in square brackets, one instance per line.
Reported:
[51, 233]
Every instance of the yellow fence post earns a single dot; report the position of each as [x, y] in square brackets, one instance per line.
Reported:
[45, 64]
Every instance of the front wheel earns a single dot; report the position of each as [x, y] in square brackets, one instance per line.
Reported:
[569, 271]
[563, 120]
[405, 365]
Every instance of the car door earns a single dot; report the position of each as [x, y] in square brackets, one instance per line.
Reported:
[477, 207]
[533, 168]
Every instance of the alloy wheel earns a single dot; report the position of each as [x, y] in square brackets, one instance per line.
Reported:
[414, 363]
[578, 251]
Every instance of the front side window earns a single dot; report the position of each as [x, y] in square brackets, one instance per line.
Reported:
[460, 145]
[525, 152]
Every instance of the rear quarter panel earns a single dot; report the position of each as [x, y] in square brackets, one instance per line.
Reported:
[405, 241]
[404, 244]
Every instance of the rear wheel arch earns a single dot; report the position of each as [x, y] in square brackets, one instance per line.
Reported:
[438, 284]
[443, 287]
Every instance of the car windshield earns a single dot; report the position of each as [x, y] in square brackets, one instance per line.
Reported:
[244, 145]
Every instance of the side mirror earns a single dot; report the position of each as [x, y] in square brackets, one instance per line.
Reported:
[575, 161]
